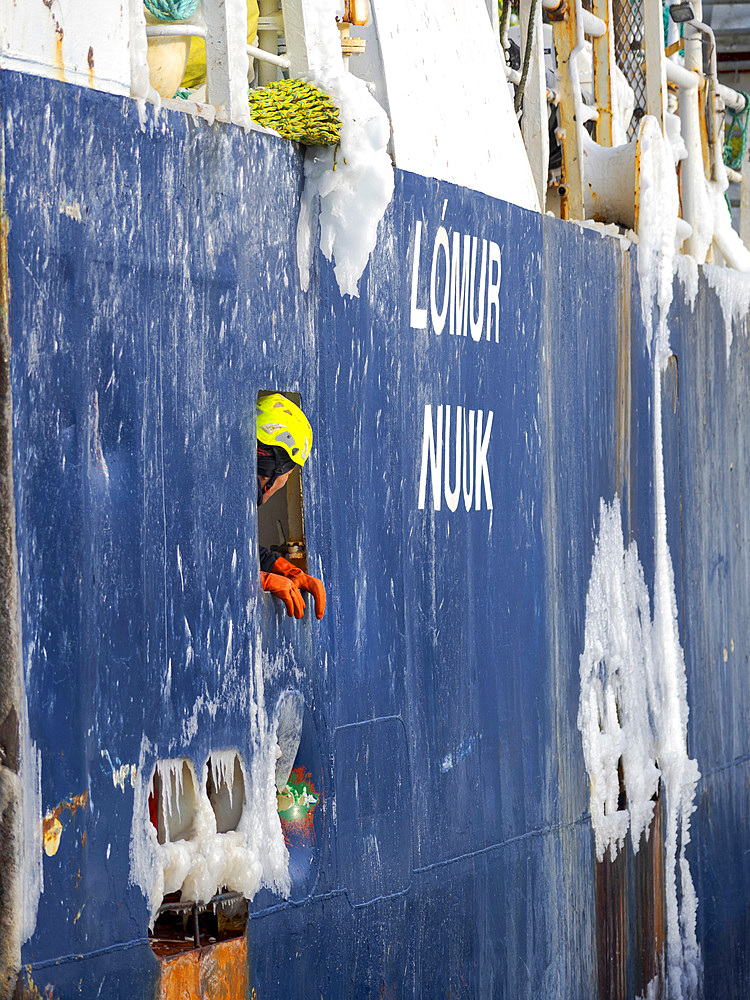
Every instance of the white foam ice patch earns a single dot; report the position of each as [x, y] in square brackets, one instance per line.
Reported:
[351, 184]
[203, 861]
[648, 726]
[617, 675]
[733, 290]
[711, 224]
[21, 802]
[30, 790]
[656, 264]
[679, 773]
[673, 129]
[633, 716]
[623, 106]
[608, 230]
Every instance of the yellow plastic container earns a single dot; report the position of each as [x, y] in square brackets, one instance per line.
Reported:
[167, 58]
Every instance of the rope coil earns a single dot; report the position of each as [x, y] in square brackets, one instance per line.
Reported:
[297, 111]
[735, 135]
[171, 10]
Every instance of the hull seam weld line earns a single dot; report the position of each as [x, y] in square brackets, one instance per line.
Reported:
[541, 832]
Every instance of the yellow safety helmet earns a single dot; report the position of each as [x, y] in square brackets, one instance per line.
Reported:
[281, 424]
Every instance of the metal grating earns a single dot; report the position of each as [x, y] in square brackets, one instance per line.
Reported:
[630, 54]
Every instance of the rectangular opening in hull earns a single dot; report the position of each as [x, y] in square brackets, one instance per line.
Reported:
[281, 523]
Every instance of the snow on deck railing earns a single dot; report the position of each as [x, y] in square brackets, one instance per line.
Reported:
[601, 176]
[349, 192]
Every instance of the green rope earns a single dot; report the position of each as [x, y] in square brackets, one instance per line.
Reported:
[171, 10]
[526, 58]
[297, 111]
[504, 18]
[735, 135]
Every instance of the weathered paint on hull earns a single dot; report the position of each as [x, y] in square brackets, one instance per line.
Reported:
[154, 291]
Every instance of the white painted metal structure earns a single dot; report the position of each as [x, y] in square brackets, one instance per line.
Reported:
[451, 117]
[81, 43]
[437, 69]
[534, 124]
[592, 182]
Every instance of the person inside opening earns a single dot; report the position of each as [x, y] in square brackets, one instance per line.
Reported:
[284, 441]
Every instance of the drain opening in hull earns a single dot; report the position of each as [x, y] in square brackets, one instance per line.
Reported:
[184, 926]
[174, 810]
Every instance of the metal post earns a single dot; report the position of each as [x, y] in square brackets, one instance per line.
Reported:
[294, 33]
[227, 60]
[714, 106]
[13, 836]
[692, 178]
[604, 60]
[270, 26]
[656, 78]
[565, 29]
[535, 122]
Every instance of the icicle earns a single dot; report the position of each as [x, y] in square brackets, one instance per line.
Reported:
[243, 859]
[650, 656]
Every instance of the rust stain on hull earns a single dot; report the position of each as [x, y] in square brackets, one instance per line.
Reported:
[631, 917]
[28, 989]
[52, 826]
[52, 831]
[59, 61]
[650, 932]
[612, 926]
[219, 972]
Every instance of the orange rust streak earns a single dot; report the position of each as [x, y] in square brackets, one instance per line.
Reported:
[52, 831]
[51, 825]
[72, 804]
[30, 991]
[180, 978]
[59, 51]
[76, 802]
[224, 971]
[219, 972]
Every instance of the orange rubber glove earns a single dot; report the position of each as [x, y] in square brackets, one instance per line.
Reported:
[311, 584]
[286, 591]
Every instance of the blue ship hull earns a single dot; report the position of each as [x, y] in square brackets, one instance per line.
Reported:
[154, 290]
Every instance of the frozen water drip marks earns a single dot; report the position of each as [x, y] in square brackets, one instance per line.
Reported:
[633, 705]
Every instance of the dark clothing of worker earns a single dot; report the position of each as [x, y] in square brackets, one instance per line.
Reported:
[267, 558]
